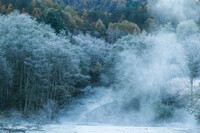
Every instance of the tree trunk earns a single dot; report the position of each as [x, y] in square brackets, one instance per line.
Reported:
[191, 87]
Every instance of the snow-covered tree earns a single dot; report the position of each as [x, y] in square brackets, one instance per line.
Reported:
[45, 66]
[188, 35]
[96, 51]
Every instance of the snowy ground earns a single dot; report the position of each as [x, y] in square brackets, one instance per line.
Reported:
[93, 129]
[113, 129]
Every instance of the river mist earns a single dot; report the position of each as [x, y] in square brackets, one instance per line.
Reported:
[148, 78]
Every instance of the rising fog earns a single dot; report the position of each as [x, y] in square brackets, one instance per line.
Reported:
[148, 79]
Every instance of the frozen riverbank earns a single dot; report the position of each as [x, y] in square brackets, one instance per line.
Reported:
[91, 129]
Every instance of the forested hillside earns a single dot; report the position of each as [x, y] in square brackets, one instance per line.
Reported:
[100, 23]
[107, 61]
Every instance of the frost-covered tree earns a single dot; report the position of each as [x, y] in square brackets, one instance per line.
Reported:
[43, 66]
[113, 34]
[188, 35]
[96, 51]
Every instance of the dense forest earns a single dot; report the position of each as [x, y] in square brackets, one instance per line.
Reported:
[53, 51]
[99, 23]
[105, 5]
